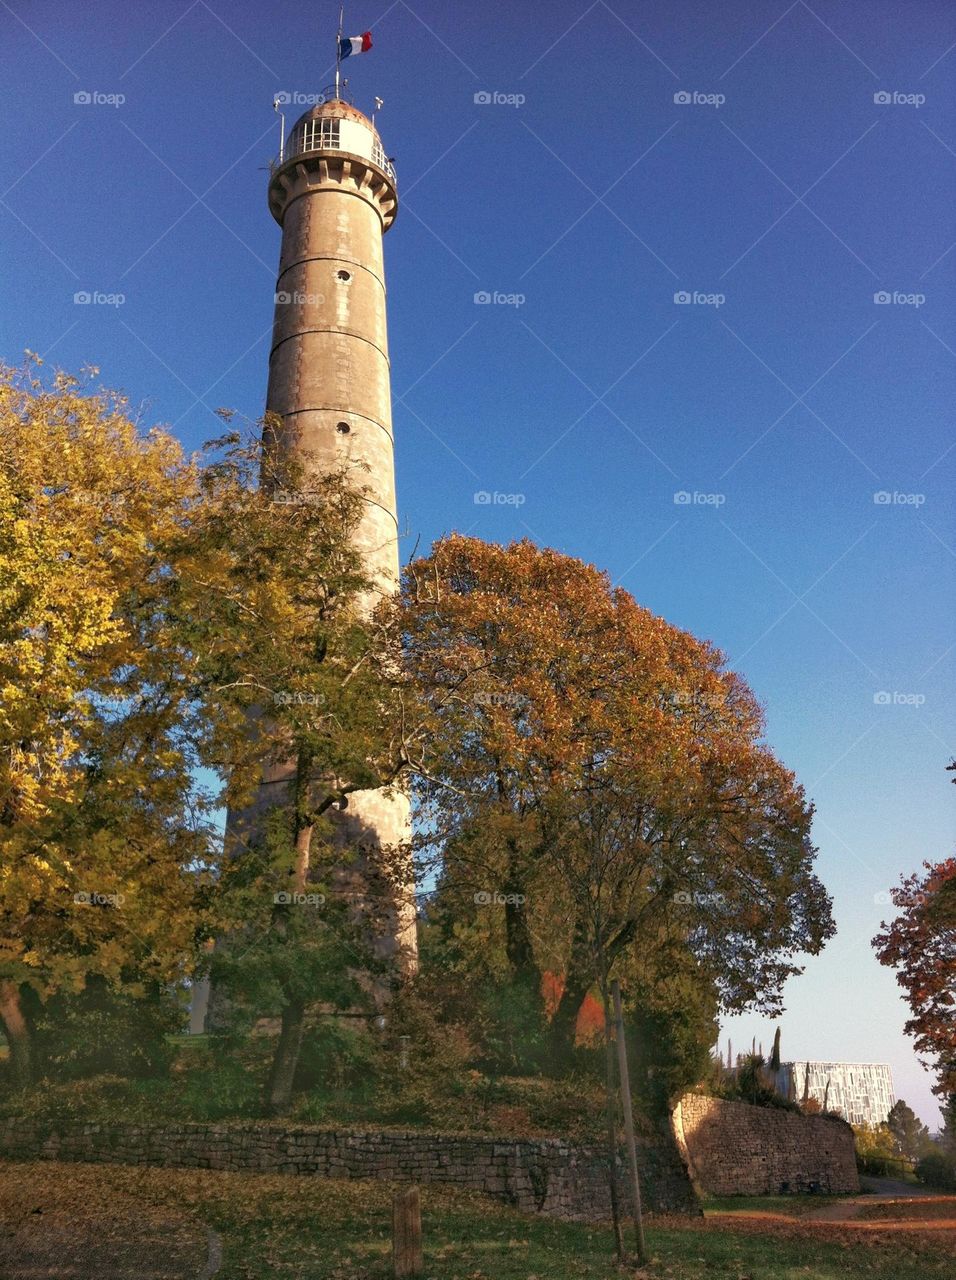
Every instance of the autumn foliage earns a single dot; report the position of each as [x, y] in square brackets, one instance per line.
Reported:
[601, 775]
[594, 795]
[920, 943]
[98, 817]
[162, 614]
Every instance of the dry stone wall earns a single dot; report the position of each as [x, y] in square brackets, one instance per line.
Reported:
[734, 1149]
[547, 1176]
[717, 1147]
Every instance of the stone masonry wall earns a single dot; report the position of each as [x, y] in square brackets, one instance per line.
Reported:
[547, 1176]
[734, 1149]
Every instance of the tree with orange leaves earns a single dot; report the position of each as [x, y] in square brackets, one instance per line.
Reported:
[597, 778]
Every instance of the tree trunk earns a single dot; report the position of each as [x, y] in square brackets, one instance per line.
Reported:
[17, 1031]
[285, 1060]
[577, 983]
[518, 945]
[624, 1080]
[278, 1096]
[565, 1021]
[585, 958]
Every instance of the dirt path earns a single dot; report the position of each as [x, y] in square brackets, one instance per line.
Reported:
[891, 1207]
[917, 1205]
[888, 1206]
[898, 1190]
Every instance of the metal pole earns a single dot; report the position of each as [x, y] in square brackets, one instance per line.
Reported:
[611, 1127]
[338, 48]
[275, 107]
[625, 1083]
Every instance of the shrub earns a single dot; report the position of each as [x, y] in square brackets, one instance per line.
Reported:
[669, 1049]
[752, 1085]
[335, 1053]
[938, 1170]
[512, 1035]
[417, 1060]
[99, 1031]
[220, 1088]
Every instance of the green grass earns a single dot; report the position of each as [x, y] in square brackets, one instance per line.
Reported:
[204, 1087]
[795, 1206]
[284, 1227]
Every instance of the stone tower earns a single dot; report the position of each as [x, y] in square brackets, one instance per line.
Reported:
[333, 194]
[334, 197]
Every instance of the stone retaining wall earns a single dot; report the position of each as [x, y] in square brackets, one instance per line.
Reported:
[547, 1176]
[734, 1149]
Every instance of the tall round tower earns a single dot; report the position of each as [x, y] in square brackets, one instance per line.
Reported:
[334, 197]
[333, 194]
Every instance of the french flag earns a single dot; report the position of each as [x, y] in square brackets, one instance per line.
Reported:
[354, 44]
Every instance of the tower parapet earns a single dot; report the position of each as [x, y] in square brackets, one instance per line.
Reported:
[334, 143]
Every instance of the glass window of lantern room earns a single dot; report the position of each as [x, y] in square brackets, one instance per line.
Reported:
[315, 135]
[322, 134]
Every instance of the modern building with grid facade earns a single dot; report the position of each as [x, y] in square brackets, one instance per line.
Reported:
[861, 1091]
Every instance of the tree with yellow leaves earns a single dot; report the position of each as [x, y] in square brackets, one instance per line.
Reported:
[160, 614]
[99, 819]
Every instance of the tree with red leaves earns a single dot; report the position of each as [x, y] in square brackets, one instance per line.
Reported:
[921, 944]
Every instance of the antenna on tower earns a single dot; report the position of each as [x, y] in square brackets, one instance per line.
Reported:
[275, 108]
[338, 48]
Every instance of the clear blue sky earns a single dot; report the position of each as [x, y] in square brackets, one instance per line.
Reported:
[598, 198]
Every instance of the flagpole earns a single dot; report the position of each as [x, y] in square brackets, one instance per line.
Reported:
[338, 48]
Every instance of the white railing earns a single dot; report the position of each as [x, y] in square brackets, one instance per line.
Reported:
[298, 147]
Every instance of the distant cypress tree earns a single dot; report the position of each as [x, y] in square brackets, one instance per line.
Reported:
[775, 1052]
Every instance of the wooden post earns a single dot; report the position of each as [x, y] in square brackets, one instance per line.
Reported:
[407, 1234]
[625, 1083]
